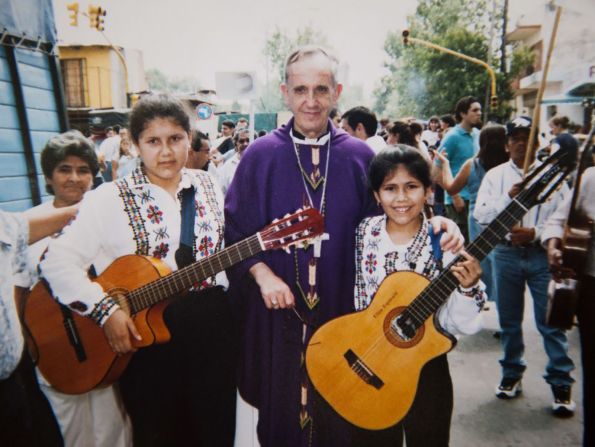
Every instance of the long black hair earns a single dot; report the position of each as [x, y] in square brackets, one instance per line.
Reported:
[492, 146]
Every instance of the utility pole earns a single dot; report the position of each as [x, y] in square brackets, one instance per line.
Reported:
[490, 50]
[503, 42]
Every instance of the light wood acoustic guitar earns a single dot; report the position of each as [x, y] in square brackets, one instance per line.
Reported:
[72, 351]
[367, 364]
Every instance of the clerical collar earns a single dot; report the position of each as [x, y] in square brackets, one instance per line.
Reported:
[299, 138]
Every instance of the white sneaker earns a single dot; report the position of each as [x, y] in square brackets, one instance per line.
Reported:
[509, 388]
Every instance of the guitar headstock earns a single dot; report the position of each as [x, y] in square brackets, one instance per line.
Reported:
[292, 229]
[547, 177]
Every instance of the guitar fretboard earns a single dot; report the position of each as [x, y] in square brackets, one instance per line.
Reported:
[191, 275]
[440, 289]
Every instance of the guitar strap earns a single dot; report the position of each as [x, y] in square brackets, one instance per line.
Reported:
[185, 253]
[436, 249]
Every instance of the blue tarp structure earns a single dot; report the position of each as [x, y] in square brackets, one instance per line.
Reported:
[32, 106]
[32, 18]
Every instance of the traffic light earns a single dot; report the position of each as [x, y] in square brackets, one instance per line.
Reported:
[96, 17]
[493, 102]
[93, 16]
[405, 37]
[73, 8]
[101, 12]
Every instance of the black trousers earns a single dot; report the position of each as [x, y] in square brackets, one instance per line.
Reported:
[428, 420]
[586, 320]
[184, 392]
[26, 418]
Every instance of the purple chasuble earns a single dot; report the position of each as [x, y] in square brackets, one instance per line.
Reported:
[267, 185]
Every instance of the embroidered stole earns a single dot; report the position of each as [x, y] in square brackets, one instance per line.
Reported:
[312, 180]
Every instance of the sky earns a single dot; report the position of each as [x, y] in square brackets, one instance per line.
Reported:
[198, 38]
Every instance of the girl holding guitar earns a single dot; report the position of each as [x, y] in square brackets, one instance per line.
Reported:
[401, 240]
[181, 392]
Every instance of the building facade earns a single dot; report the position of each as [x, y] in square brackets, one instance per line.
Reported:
[571, 75]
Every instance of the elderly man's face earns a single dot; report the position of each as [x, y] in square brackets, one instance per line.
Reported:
[310, 94]
[242, 142]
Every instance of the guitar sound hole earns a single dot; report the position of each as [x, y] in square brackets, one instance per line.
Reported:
[404, 327]
[400, 330]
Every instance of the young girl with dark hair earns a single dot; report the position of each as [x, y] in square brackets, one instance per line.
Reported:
[401, 133]
[181, 392]
[401, 239]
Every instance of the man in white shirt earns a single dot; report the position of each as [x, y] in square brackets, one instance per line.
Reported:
[241, 140]
[199, 154]
[108, 150]
[361, 122]
[520, 259]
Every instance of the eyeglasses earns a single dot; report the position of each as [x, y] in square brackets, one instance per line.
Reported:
[243, 140]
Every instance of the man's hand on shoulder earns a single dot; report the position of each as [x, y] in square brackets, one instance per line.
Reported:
[452, 239]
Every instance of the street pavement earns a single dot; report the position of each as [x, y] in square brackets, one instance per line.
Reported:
[481, 419]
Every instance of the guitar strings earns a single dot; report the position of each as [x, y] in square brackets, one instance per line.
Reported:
[154, 291]
[432, 292]
[168, 285]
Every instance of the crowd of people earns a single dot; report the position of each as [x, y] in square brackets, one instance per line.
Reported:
[395, 196]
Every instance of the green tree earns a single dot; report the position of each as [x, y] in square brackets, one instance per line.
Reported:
[158, 81]
[424, 81]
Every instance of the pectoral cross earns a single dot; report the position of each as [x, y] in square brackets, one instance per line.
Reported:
[317, 242]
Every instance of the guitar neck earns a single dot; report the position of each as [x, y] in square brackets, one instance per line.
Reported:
[192, 275]
[438, 291]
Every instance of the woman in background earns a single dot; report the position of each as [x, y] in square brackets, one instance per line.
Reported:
[95, 418]
[492, 152]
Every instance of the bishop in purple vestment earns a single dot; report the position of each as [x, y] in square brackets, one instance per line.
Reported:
[307, 161]
[268, 184]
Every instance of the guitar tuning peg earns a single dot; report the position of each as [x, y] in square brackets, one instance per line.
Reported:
[287, 250]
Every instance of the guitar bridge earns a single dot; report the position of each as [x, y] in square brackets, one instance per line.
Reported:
[73, 334]
[362, 370]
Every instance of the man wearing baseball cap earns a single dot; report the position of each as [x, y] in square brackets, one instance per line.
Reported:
[521, 260]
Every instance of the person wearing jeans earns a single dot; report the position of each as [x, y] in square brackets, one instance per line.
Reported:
[516, 267]
[521, 260]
